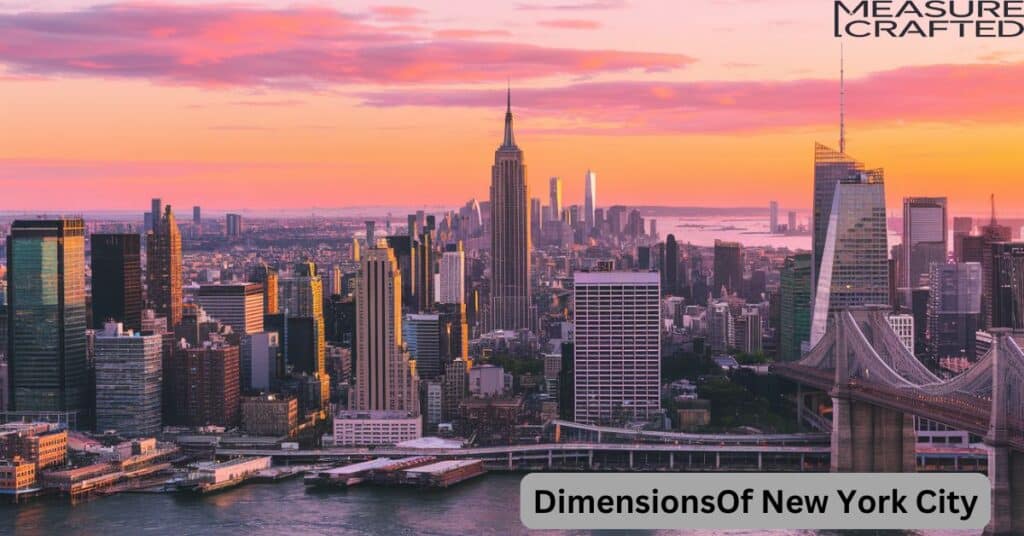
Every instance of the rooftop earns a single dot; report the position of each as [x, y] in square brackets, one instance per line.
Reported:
[600, 278]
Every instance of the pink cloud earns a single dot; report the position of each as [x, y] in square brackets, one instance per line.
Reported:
[465, 33]
[938, 93]
[232, 45]
[396, 12]
[571, 24]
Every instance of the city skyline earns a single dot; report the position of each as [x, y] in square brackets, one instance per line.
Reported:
[603, 86]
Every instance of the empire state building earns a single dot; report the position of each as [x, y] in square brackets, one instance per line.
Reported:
[510, 235]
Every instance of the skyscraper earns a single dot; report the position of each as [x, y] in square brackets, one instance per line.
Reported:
[954, 309]
[453, 275]
[128, 381]
[385, 379]
[555, 199]
[670, 271]
[46, 350]
[590, 199]
[854, 267]
[795, 295]
[302, 297]
[617, 359]
[422, 336]
[163, 267]
[728, 267]
[510, 235]
[424, 271]
[925, 236]
[239, 305]
[830, 168]
[962, 227]
[233, 225]
[990, 235]
[773, 217]
[1008, 285]
[197, 215]
[116, 279]
[262, 273]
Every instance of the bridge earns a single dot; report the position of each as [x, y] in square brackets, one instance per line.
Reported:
[876, 387]
[588, 456]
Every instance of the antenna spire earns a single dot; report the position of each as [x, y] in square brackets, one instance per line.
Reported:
[992, 198]
[509, 140]
[842, 99]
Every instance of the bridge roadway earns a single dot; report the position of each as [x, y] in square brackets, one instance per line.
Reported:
[597, 456]
[961, 411]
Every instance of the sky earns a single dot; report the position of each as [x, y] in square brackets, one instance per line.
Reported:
[267, 104]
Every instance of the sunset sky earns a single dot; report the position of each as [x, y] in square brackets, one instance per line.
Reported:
[264, 105]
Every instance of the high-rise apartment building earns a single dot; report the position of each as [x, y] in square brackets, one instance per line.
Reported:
[385, 379]
[925, 238]
[128, 381]
[239, 305]
[748, 331]
[453, 275]
[46, 348]
[163, 267]
[116, 279]
[954, 309]
[795, 297]
[510, 235]
[721, 328]
[852, 253]
[617, 360]
[211, 374]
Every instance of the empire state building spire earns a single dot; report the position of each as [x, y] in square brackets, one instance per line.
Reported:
[509, 140]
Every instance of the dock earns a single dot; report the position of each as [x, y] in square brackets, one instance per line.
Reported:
[421, 471]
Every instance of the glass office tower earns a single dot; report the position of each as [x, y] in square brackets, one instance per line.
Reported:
[46, 315]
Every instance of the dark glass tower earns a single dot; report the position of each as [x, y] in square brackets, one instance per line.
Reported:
[46, 315]
[116, 280]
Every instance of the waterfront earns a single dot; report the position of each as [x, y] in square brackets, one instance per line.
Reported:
[487, 506]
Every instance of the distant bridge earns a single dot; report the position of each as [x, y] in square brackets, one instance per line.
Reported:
[876, 385]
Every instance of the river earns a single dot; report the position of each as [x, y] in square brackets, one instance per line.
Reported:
[486, 506]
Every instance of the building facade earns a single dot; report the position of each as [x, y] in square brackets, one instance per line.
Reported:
[46, 349]
[129, 381]
[854, 262]
[954, 310]
[385, 379]
[617, 359]
[116, 279]
[239, 305]
[163, 267]
[925, 237]
[510, 236]
[795, 297]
